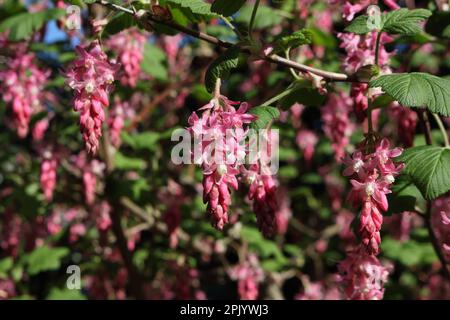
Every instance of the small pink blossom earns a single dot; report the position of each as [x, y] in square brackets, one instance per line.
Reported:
[91, 76]
[248, 274]
[21, 84]
[372, 175]
[307, 140]
[362, 276]
[336, 122]
[221, 131]
[129, 47]
[39, 129]
[116, 120]
[49, 165]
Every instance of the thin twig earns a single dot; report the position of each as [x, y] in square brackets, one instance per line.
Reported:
[442, 128]
[425, 122]
[252, 19]
[145, 17]
[127, 257]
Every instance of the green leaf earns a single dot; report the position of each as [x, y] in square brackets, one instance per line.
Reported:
[119, 22]
[401, 21]
[23, 25]
[265, 248]
[65, 294]
[154, 62]
[196, 6]
[446, 32]
[321, 38]
[411, 253]
[358, 25]
[144, 140]
[226, 7]
[265, 114]
[123, 162]
[404, 21]
[221, 67]
[404, 197]
[429, 169]
[265, 17]
[5, 265]
[294, 40]
[417, 90]
[45, 258]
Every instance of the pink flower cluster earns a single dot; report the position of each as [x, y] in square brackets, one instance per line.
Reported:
[49, 165]
[284, 212]
[7, 289]
[220, 131]
[263, 192]
[336, 122]
[362, 276]
[441, 223]
[129, 46]
[360, 51]
[40, 128]
[116, 120]
[248, 274]
[306, 140]
[318, 291]
[171, 45]
[11, 233]
[102, 215]
[181, 282]
[91, 76]
[406, 123]
[90, 170]
[371, 177]
[172, 196]
[21, 84]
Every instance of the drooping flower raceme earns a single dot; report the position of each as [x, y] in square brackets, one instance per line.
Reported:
[248, 274]
[307, 140]
[263, 189]
[116, 120]
[371, 177]
[129, 47]
[21, 85]
[336, 122]
[360, 52]
[90, 170]
[39, 129]
[91, 76]
[49, 165]
[220, 135]
[406, 123]
[441, 223]
[362, 276]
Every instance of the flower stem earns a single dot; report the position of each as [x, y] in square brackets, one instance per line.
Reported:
[252, 19]
[369, 116]
[280, 96]
[442, 128]
[147, 17]
[231, 26]
[369, 108]
[217, 88]
[294, 74]
[377, 48]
